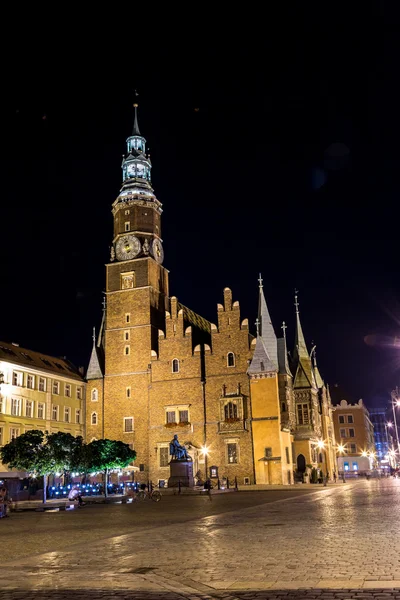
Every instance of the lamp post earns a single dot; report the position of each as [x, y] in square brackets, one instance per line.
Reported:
[396, 402]
[205, 451]
[341, 449]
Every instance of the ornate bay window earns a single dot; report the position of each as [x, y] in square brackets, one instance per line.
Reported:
[232, 413]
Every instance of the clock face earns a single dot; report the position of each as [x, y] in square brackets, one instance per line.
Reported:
[127, 247]
[157, 250]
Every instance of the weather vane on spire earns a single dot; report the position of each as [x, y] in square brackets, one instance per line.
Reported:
[136, 97]
[260, 281]
[94, 335]
[284, 327]
[258, 326]
[295, 301]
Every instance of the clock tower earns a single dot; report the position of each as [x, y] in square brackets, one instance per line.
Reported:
[134, 313]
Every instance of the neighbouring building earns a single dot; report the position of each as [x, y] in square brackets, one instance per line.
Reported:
[158, 369]
[383, 437]
[355, 434]
[38, 391]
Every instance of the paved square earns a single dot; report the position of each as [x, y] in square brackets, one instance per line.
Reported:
[341, 542]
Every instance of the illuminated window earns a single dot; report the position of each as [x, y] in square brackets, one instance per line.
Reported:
[128, 424]
[354, 466]
[303, 414]
[95, 395]
[175, 365]
[42, 384]
[164, 456]
[30, 382]
[231, 359]
[56, 387]
[68, 390]
[346, 466]
[15, 407]
[41, 410]
[94, 418]
[67, 414]
[127, 226]
[29, 408]
[232, 454]
[127, 350]
[54, 413]
[77, 416]
[79, 393]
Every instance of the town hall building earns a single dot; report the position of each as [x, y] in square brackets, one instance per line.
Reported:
[238, 404]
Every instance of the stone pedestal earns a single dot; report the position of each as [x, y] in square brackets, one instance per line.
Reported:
[181, 470]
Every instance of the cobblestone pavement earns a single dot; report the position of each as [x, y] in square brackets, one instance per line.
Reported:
[339, 543]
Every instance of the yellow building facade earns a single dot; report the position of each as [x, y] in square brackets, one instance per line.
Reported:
[355, 434]
[38, 391]
[158, 369]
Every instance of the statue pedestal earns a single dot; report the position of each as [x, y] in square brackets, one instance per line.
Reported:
[181, 470]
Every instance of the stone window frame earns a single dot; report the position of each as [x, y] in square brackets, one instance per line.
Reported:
[351, 446]
[126, 275]
[42, 384]
[68, 390]
[231, 354]
[300, 406]
[94, 420]
[175, 365]
[30, 381]
[339, 419]
[41, 406]
[55, 388]
[232, 440]
[17, 378]
[78, 416]
[67, 414]
[16, 434]
[159, 446]
[342, 431]
[57, 410]
[94, 396]
[127, 226]
[1, 435]
[126, 419]
[31, 404]
[17, 403]
[176, 408]
[238, 400]
[79, 394]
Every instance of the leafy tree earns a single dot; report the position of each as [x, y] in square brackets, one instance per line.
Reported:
[104, 455]
[29, 452]
[64, 449]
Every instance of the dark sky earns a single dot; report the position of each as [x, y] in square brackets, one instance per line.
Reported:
[273, 151]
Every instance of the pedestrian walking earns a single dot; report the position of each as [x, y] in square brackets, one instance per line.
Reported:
[334, 476]
[3, 502]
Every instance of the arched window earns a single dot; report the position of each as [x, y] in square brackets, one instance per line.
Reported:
[230, 411]
[95, 395]
[283, 406]
[231, 359]
[94, 418]
[175, 365]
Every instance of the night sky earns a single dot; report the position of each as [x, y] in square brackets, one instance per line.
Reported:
[275, 152]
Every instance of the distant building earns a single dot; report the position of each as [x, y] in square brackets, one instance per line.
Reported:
[38, 391]
[354, 432]
[382, 436]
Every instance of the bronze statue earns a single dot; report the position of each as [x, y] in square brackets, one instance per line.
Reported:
[177, 451]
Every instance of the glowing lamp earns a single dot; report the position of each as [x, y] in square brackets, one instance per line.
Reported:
[321, 444]
[341, 448]
[205, 450]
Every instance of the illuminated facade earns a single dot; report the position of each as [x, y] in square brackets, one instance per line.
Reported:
[38, 392]
[159, 369]
[355, 433]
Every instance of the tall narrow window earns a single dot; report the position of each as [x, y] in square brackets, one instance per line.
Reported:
[127, 317]
[42, 384]
[30, 382]
[303, 414]
[94, 419]
[17, 378]
[175, 365]
[14, 432]
[127, 350]
[1, 436]
[171, 417]
[54, 413]
[68, 390]
[79, 393]
[67, 414]
[231, 359]
[56, 387]
[40, 411]
[128, 424]
[128, 392]
[164, 456]
[183, 416]
[127, 225]
[232, 453]
[29, 408]
[15, 407]
[95, 395]
[230, 411]
[126, 336]
[78, 416]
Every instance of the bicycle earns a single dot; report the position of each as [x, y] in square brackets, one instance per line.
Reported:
[154, 495]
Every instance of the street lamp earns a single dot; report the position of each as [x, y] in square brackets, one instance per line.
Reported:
[205, 451]
[396, 402]
[342, 449]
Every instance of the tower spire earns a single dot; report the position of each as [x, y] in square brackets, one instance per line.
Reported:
[135, 122]
[265, 329]
[300, 347]
[303, 368]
